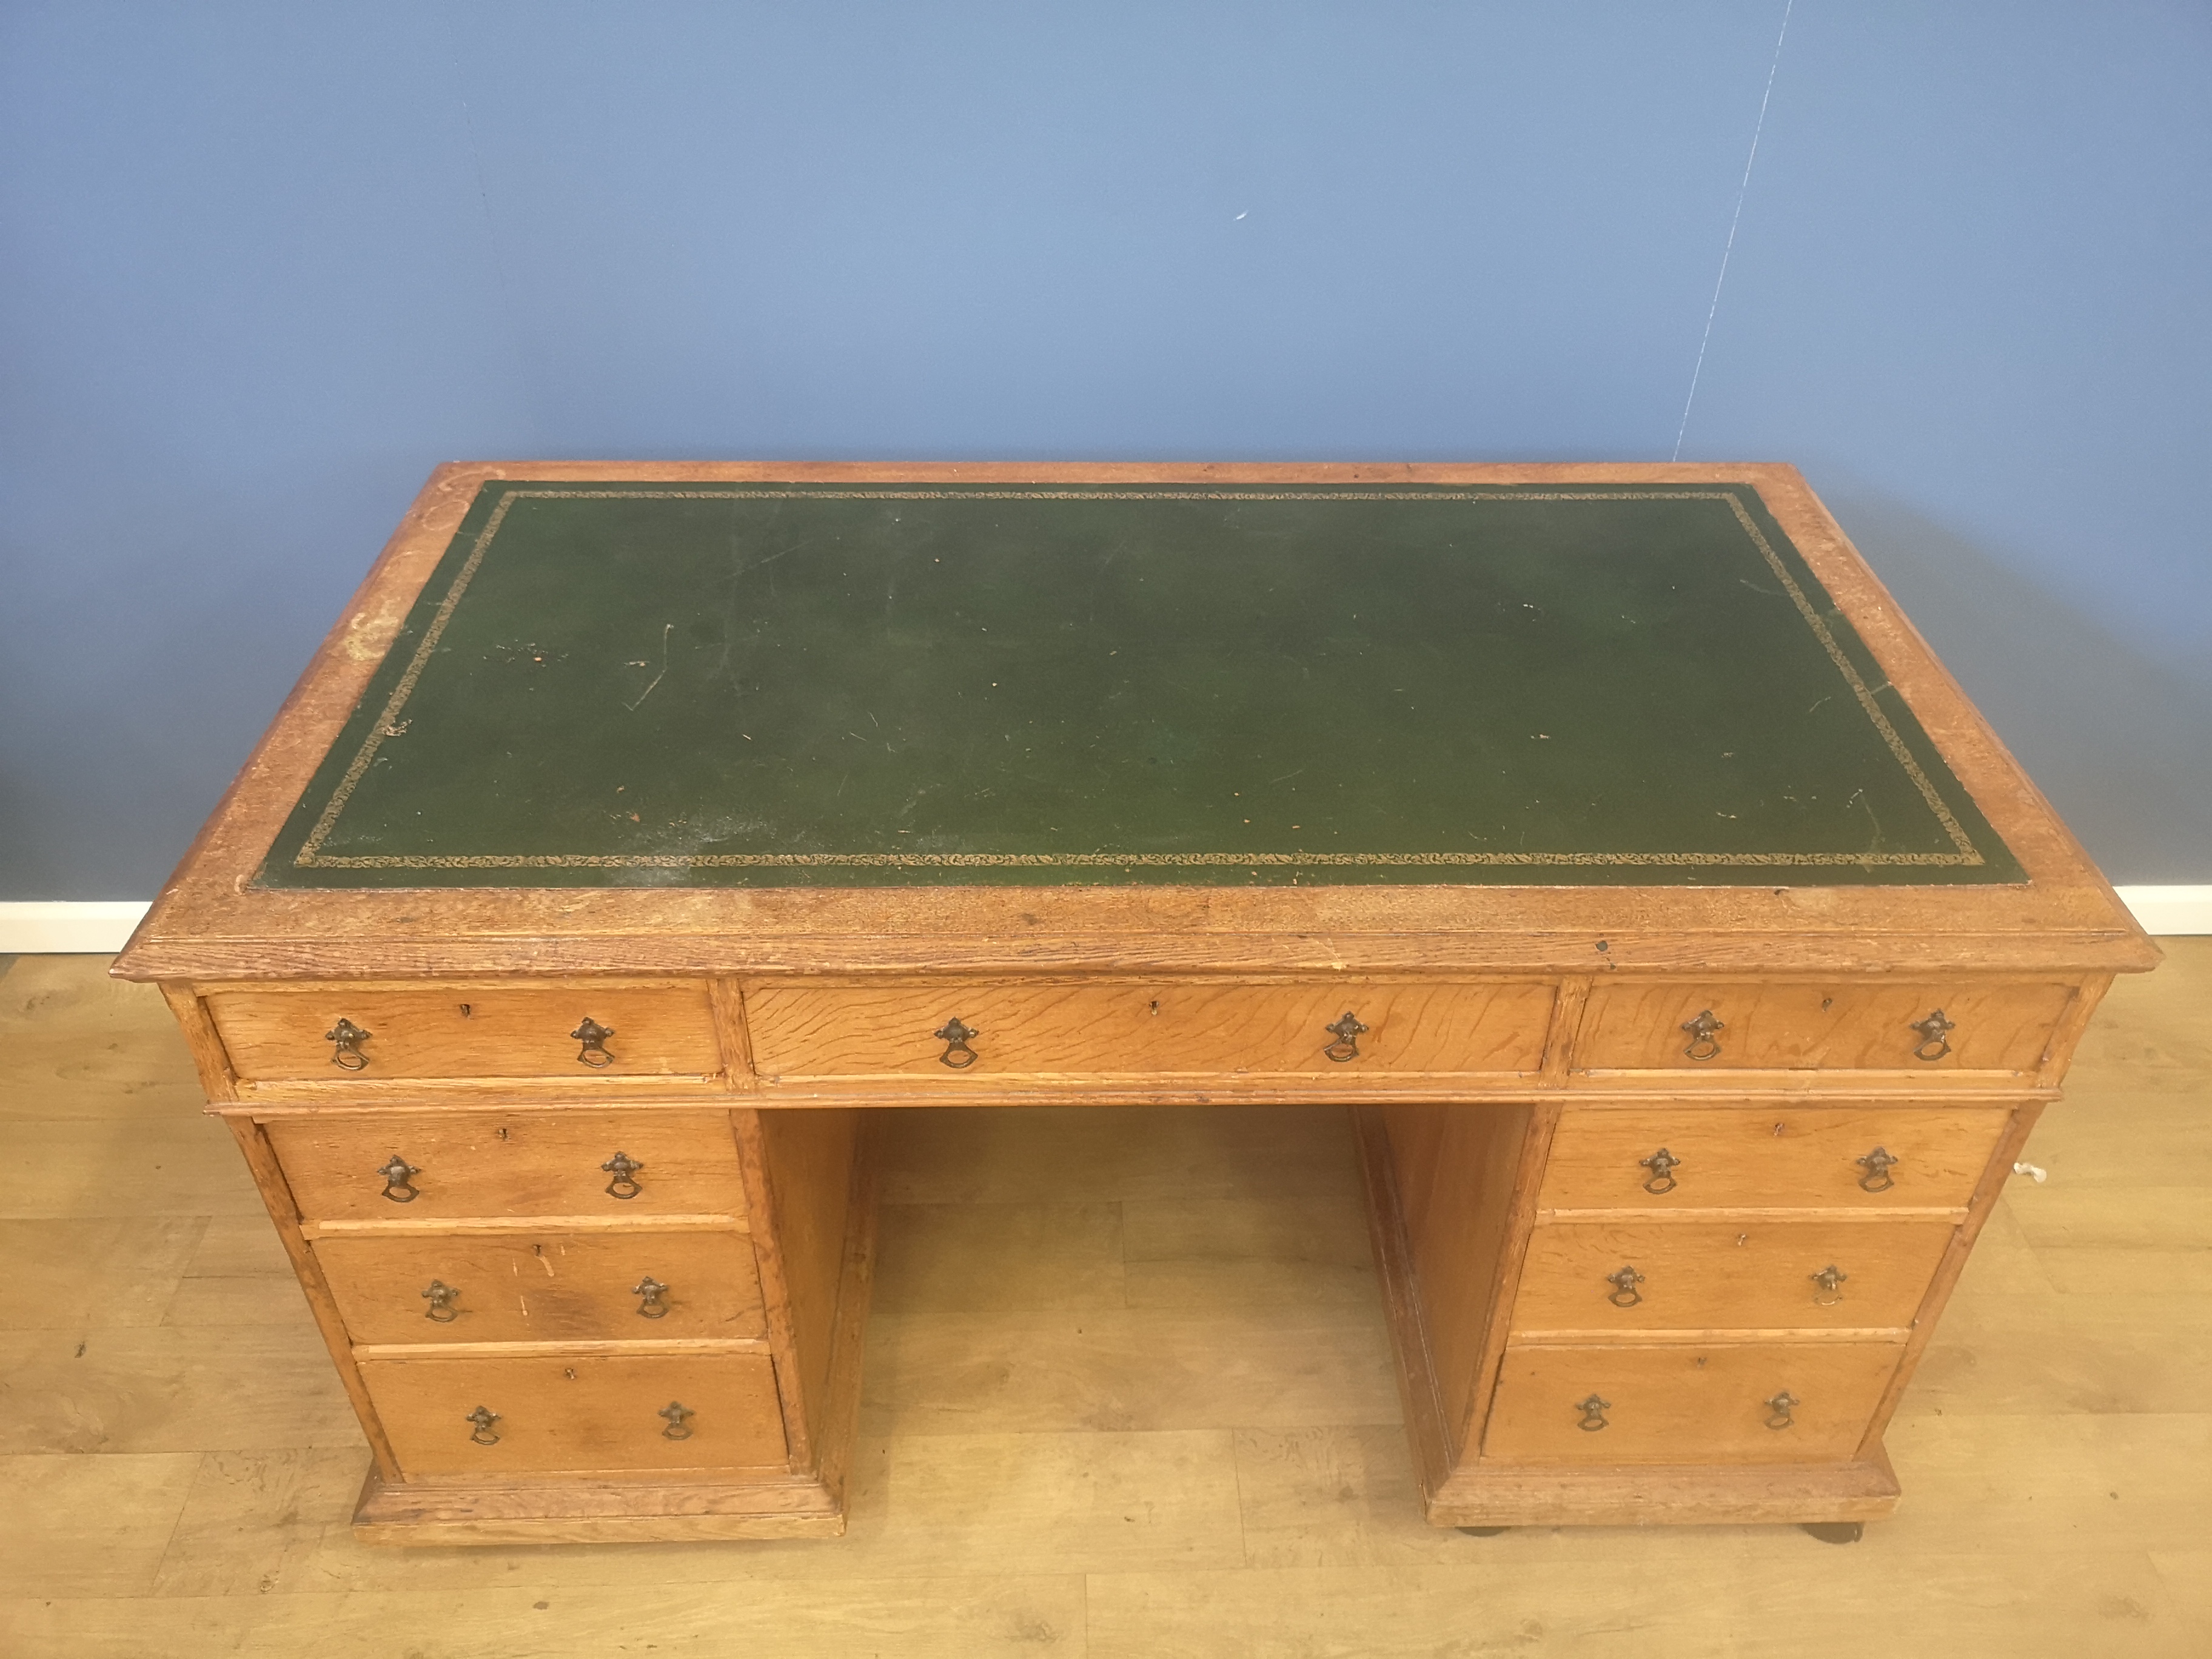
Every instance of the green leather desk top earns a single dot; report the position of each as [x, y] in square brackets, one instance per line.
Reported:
[635, 684]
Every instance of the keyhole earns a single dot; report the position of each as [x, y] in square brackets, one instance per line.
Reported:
[1826, 1003]
[466, 1011]
[1701, 1360]
[538, 1250]
[570, 1374]
[1742, 1239]
[1778, 1132]
[1156, 1005]
[501, 1132]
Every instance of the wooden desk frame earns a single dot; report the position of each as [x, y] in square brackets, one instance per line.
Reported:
[809, 1209]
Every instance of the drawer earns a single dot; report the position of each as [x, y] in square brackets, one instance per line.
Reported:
[1754, 1157]
[1759, 1275]
[1715, 1404]
[1124, 1028]
[545, 1287]
[509, 1163]
[585, 1413]
[283, 1032]
[1646, 1026]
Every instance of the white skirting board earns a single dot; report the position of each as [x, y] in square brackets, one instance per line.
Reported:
[2170, 910]
[65, 927]
[40, 927]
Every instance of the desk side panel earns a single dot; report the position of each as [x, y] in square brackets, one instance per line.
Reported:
[1457, 1170]
[808, 1165]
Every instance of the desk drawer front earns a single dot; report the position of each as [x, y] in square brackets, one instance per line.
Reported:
[1213, 1029]
[1752, 1403]
[341, 1168]
[1644, 1026]
[285, 1034]
[1660, 1275]
[602, 1412]
[1768, 1157]
[551, 1287]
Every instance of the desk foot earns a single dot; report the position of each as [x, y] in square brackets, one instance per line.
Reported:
[1835, 1532]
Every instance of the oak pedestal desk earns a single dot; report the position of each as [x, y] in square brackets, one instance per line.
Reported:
[1693, 957]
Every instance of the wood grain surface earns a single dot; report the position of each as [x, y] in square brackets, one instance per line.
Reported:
[1691, 1403]
[509, 1163]
[702, 1508]
[551, 1409]
[1706, 1275]
[544, 1287]
[1833, 1026]
[469, 1031]
[1201, 1029]
[578, 1412]
[1457, 1173]
[1763, 1157]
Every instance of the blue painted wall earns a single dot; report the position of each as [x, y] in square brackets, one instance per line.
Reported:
[261, 266]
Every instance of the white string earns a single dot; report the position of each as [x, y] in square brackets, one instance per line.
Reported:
[1741, 191]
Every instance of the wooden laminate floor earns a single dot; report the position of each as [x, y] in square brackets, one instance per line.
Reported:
[1128, 1393]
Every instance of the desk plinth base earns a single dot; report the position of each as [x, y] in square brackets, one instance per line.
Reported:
[1664, 1495]
[592, 1512]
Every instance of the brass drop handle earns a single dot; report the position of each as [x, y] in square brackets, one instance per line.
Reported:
[398, 1180]
[1662, 1164]
[1348, 1032]
[623, 1168]
[1877, 1164]
[954, 1034]
[1934, 1035]
[593, 1036]
[1624, 1293]
[679, 1417]
[650, 1290]
[347, 1036]
[1779, 1408]
[1704, 1036]
[440, 1296]
[1829, 1283]
[1593, 1409]
[483, 1417]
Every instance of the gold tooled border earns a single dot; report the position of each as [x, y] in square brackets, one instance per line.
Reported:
[388, 724]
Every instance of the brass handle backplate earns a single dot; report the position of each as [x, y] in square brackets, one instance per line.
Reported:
[398, 1180]
[623, 1168]
[650, 1290]
[1934, 1035]
[1779, 1408]
[483, 1417]
[1348, 1032]
[1593, 1409]
[593, 1036]
[440, 1296]
[1829, 1286]
[1662, 1164]
[679, 1425]
[1705, 1040]
[1624, 1293]
[347, 1036]
[954, 1034]
[1877, 1164]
